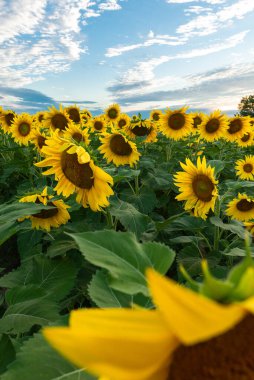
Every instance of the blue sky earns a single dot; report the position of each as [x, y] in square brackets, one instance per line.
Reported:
[142, 54]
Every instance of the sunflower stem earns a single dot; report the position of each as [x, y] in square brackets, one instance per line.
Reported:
[109, 219]
[217, 229]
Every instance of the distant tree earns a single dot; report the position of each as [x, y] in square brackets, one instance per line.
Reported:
[246, 106]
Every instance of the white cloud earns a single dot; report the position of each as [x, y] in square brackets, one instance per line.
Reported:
[42, 36]
[151, 39]
[213, 2]
[109, 5]
[211, 22]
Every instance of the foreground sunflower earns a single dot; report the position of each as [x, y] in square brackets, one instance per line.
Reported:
[214, 126]
[22, 129]
[46, 219]
[197, 186]
[189, 337]
[241, 208]
[6, 120]
[176, 124]
[245, 168]
[76, 172]
[118, 149]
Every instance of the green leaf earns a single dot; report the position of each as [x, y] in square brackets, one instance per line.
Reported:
[234, 227]
[7, 352]
[145, 200]
[36, 360]
[130, 217]
[29, 243]
[104, 296]
[217, 164]
[124, 258]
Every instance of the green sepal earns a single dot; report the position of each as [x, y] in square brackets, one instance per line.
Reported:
[245, 288]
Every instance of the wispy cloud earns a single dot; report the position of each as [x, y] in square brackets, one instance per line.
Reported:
[195, 1]
[43, 36]
[151, 39]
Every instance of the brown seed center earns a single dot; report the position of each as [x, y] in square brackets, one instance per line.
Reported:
[98, 125]
[41, 141]
[24, 129]
[156, 116]
[74, 115]
[9, 118]
[45, 214]
[81, 175]
[248, 168]
[176, 121]
[77, 136]
[59, 121]
[246, 137]
[196, 121]
[203, 187]
[245, 205]
[212, 125]
[41, 118]
[121, 123]
[229, 356]
[235, 126]
[112, 113]
[119, 146]
[141, 131]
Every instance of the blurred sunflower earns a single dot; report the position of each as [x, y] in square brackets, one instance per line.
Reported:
[241, 208]
[39, 139]
[74, 132]
[118, 149]
[176, 124]
[123, 122]
[245, 168]
[145, 129]
[85, 116]
[250, 227]
[76, 172]
[197, 186]
[39, 118]
[238, 126]
[45, 219]
[214, 126]
[113, 112]
[6, 120]
[57, 119]
[188, 337]
[74, 113]
[155, 116]
[246, 140]
[22, 129]
[98, 124]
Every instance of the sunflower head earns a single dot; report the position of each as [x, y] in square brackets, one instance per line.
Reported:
[39, 139]
[123, 122]
[155, 116]
[23, 129]
[57, 119]
[213, 126]
[98, 124]
[241, 208]
[73, 113]
[76, 134]
[6, 120]
[113, 112]
[238, 126]
[245, 168]
[176, 124]
[197, 119]
[247, 139]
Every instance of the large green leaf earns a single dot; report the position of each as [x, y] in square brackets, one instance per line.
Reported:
[234, 226]
[104, 296]
[7, 352]
[36, 360]
[124, 257]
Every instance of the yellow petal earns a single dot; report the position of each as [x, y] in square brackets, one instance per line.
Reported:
[191, 317]
[119, 344]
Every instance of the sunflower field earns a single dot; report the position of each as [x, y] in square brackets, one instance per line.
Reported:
[126, 245]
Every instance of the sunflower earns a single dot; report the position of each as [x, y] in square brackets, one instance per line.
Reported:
[39, 139]
[176, 124]
[238, 126]
[22, 129]
[118, 149]
[245, 168]
[98, 124]
[241, 208]
[246, 140]
[85, 116]
[57, 119]
[155, 116]
[113, 112]
[123, 122]
[250, 227]
[45, 219]
[76, 172]
[6, 120]
[39, 117]
[188, 337]
[74, 113]
[197, 119]
[214, 126]
[144, 129]
[197, 186]
[74, 132]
